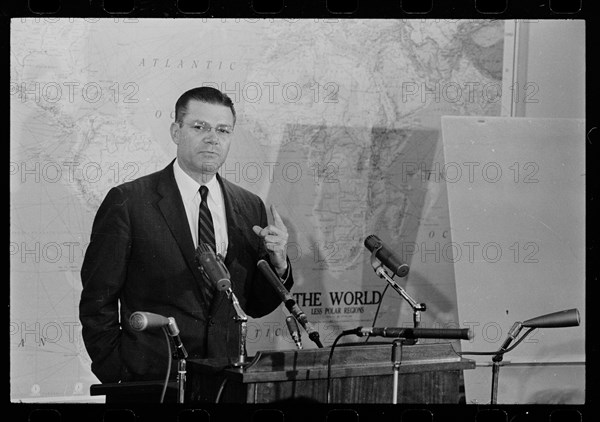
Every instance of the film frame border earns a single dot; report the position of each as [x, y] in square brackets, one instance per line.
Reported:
[539, 9]
[491, 9]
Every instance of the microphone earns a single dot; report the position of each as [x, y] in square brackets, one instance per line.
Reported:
[276, 283]
[375, 245]
[288, 300]
[439, 333]
[293, 327]
[568, 318]
[141, 321]
[212, 267]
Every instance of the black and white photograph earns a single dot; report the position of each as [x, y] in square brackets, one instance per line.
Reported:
[320, 211]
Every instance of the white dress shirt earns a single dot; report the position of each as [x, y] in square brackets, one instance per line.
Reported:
[189, 190]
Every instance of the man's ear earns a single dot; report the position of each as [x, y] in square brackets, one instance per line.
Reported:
[174, 129]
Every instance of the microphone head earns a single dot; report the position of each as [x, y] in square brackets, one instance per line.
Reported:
[568, 318]
[202, 252]
[376, 246]
[213, 268]
[138, 321]
[372, 242]
[223, 285]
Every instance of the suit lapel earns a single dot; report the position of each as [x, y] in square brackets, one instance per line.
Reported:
[234, 235]
[171, 206]
[232, 211]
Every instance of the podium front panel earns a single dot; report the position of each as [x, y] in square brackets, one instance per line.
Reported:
[360, 373]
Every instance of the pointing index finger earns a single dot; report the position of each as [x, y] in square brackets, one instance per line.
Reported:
[277, 218]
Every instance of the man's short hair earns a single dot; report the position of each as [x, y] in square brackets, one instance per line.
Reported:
[205, 94]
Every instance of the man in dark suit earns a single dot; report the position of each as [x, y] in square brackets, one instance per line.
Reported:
[142, 252]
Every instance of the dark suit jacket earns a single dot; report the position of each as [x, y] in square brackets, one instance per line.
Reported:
[142, 258]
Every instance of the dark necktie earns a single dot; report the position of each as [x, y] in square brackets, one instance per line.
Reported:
[206, 234]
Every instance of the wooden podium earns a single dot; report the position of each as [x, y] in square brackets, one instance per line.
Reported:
[360, 373]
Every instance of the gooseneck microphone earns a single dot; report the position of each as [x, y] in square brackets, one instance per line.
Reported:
[386, 256]
[414, 333]
[140, 321]
[566, 318]
[288, 301]
[213, 268]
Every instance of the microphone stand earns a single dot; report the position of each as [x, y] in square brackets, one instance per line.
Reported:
[417, 307]
[181, 355]
[396, 360]
[242, 319]
[512, 333]
[181, 370]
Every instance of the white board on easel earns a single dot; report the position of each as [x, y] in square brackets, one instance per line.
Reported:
[516, 194]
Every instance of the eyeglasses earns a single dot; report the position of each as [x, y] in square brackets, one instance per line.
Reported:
[203, 127]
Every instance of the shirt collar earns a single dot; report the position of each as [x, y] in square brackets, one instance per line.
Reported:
[188, 186]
